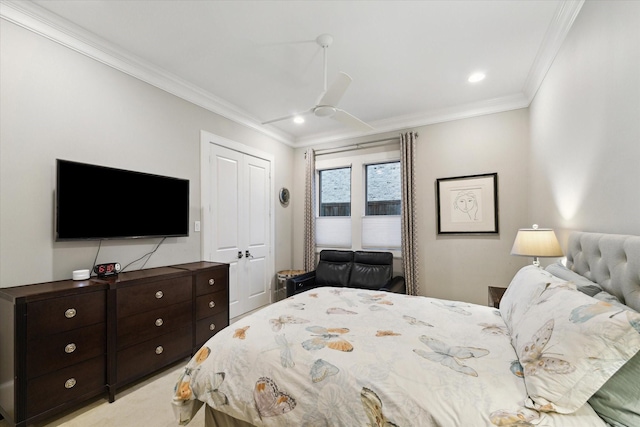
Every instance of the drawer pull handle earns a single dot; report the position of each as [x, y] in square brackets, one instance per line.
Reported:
[212, 304]
[70, 383]
[70, 348]
[159, 322]
[159, 294]
[71, 312]
[212, 327]
[212, 282]
[159, 349]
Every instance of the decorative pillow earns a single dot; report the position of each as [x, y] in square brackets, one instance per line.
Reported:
[612, 299]
[528, 283]
[583, 284]
[569, 345]
[618, 400]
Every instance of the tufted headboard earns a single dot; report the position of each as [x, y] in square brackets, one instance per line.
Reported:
[610, 260]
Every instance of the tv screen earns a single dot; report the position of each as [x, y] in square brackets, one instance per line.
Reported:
[97, 202]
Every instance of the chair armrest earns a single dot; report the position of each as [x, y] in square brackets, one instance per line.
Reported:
[395, 285]
[301, 283]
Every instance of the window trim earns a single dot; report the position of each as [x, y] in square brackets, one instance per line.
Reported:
[366, 186]
[357, 162]
[319, 192]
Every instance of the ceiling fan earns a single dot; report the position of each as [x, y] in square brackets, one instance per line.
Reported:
[327, 104]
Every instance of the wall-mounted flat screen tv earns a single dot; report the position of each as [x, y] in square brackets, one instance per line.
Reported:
[96, 202]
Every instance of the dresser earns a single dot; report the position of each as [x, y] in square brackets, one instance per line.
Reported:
[68, 341]
[53, 347]
[150, 312]
[211, 290]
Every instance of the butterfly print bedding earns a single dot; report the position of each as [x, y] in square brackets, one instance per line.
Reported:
[327, 337]
[534, 359]
[357, 358]
[270, 401]
[450, 356]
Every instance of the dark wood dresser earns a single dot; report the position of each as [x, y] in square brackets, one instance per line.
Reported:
[53, 347]
[211, 288]
[64, 342]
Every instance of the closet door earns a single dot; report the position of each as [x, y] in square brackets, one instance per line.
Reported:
[240, 217]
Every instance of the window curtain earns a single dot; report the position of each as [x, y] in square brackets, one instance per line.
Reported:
[309, 261]
[409, 235]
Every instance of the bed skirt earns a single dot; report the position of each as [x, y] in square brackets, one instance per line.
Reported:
[213, 418]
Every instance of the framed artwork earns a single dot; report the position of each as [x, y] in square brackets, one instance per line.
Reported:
[468, 204]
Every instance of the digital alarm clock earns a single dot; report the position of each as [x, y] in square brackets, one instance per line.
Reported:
[107, 269]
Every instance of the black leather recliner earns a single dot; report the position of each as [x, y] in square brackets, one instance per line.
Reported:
[359, 269]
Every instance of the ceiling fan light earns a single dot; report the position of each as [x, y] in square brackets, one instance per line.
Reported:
[324, 111]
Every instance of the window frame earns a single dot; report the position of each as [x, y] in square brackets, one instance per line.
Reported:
[366, 187]
[319, 201]
[357, 160]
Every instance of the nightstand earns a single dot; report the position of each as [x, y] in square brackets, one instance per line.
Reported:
[495, 295]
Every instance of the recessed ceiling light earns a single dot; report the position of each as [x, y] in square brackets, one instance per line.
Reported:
[476, 77]
[298, 119]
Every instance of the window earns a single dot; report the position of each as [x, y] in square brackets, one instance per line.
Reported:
[333, 226]
[359, 202]
[383, 189]
[335, 192]
[381, 223]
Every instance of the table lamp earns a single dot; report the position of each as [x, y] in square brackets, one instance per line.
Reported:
[536, 242]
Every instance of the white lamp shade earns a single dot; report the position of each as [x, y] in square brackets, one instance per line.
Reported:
[536, 242]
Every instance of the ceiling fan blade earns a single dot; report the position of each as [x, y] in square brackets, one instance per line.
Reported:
[290, 116]
[349, 120]
[334, 93]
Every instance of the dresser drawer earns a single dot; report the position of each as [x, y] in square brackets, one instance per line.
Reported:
[210, 304]
[146, 357]
[53, 352]
[151, 324]
[150, 296]
[212, 280]
[59, 387]
[206, 328]
[66, 313]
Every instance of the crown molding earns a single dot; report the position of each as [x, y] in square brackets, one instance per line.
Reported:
[553, 39]
[425, 118]
[44, 23]
[37, 19]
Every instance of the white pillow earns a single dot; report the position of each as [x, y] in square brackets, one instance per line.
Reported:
[569, 345]
[528, 284]
[583, 284]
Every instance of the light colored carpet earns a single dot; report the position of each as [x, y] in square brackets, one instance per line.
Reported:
[144, 404]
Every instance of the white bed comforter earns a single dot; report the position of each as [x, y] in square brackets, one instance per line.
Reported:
[347, 357]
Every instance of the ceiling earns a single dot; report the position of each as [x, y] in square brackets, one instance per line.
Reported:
[253, 61]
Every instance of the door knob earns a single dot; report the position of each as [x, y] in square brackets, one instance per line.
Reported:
[240, 254]
[248, 254]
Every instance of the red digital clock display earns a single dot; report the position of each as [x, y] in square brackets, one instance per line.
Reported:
[107, 269]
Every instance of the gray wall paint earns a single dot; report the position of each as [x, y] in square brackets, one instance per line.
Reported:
[459, 267]
[57, 103]
[570, 161]
[585, 126]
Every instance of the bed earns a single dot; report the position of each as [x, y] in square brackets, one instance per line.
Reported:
[563, 349]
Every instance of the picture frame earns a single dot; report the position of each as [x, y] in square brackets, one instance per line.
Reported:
[468, 204]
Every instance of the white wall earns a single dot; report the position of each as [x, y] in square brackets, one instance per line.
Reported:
[585, 126]
[57, 103]
[459, 267]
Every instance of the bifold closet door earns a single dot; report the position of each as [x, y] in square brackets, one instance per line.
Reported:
[240, 216]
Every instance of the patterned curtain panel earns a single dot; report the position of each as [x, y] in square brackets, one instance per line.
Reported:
[309, 261]
[409, 234]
